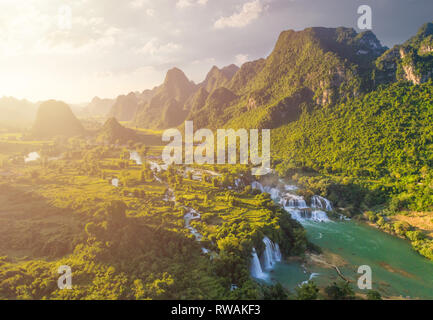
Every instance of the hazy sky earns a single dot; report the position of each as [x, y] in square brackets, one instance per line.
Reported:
[75, 50]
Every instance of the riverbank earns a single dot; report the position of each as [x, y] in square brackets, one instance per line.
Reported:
[398, 272]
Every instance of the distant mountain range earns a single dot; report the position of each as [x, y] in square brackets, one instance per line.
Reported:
[310, 69]
[17, 112]
[316, 67]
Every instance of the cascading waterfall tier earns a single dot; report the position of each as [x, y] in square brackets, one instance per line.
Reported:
[296, 205]
[299, 210]
[256, 268]
[271, 255]
[294, 201]
[319, 202]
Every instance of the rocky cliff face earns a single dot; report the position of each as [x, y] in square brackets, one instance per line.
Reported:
[411, 61]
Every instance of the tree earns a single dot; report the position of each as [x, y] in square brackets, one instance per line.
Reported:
[275, 292]
[116, 212]
[340, 291]
[307, 291]
[373, 295]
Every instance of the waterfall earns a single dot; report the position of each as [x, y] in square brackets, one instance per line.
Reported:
[272, 253]
[307, 214]
[296, 214]
[320, 216]
[133, 155]
[312, 276]
[294, 201]
[257, 185]
[319, 202]
[274, 192]
[256, 268]
[296, 206]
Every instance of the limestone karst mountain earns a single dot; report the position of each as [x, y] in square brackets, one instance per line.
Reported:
[309, 69]
[55, 118]
[165, 109]
[113, 132]
[411, 61]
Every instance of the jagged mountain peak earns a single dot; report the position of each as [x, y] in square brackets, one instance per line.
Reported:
[219, 77]
[176, 85]
[175, 75]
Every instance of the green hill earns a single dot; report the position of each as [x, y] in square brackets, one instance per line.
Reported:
[388, 132]
[55, 118]
[385, 136]
[113, 132]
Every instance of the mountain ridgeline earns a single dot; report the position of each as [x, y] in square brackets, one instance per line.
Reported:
[314, 68]
[317, 68]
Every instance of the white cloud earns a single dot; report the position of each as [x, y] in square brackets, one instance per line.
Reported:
[150, 12]
[181, 4]
[156, 48]
[249, 12]
[241, 59]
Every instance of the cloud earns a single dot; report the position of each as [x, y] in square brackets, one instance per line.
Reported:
[150, 12]
[181, 4]
[156, 48]
[250, 11]
[241, 59]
